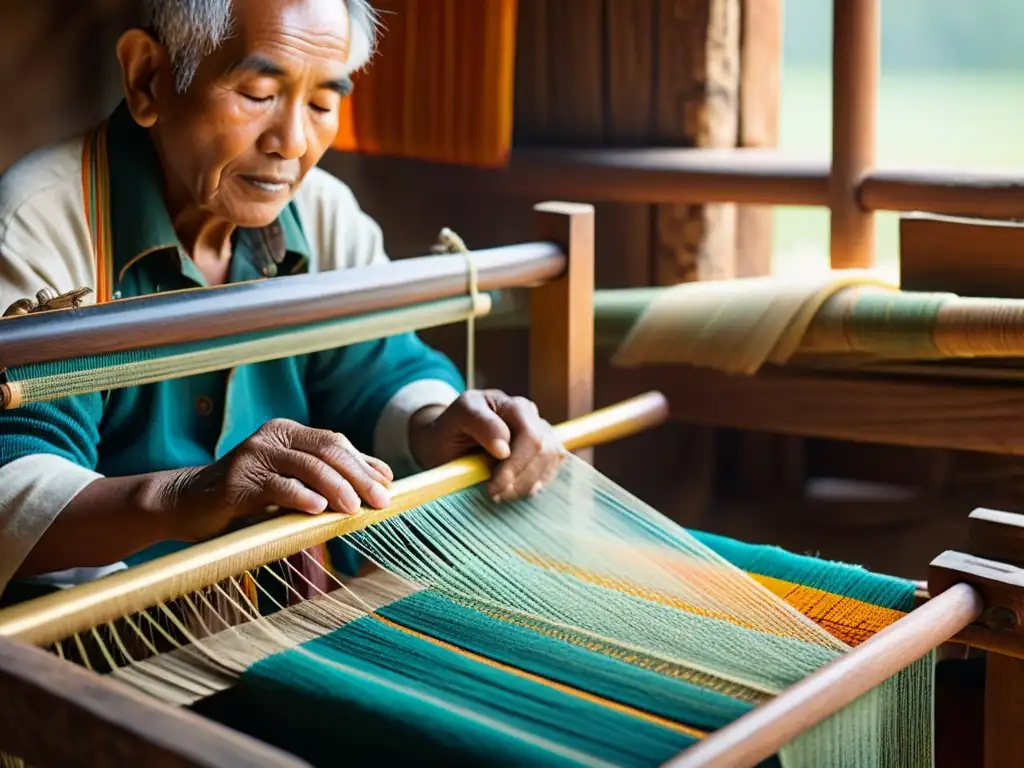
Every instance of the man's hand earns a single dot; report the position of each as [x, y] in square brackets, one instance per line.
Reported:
[283, 464]
[508, 428]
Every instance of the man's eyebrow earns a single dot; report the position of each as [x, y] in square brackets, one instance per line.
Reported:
[259, 64]
[340, 85]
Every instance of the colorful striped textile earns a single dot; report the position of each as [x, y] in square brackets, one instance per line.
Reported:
[445, 681]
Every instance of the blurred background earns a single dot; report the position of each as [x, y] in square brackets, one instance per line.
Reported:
[951, 96]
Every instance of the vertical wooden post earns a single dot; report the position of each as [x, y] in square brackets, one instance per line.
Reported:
[856, 60]
[760, 76]
[562, 318]
[1004, 708]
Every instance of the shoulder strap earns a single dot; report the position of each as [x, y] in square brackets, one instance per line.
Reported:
[96, 199]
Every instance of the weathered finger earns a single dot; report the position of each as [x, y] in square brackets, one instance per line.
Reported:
[483, 425]
[374, 467]
[526, 480]
[318, 476]
[527, 445]
[337, 451]
[385, 472]
[289, 493]
[366, 481]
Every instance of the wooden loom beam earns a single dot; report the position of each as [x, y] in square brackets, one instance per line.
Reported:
[54, 713]
[996, 547]
[260, 305]
[894, 410]
[761, 733]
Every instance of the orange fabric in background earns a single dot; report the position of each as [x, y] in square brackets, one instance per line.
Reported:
[440, 87]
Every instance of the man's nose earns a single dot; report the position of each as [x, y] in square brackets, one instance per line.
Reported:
[287, 138]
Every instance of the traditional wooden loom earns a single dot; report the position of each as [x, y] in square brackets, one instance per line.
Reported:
[57, 713]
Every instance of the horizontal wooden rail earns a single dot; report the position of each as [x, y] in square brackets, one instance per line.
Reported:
[994, 195]
[744, 176]
[54, 713]
[889, 410]
[260, 305]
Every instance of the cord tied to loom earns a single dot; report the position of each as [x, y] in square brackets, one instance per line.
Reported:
[448, 241]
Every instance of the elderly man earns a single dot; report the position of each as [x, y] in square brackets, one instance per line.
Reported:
[207, 175]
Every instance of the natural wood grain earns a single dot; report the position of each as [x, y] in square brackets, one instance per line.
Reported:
[640, 175]
[562, 318]
[873, 409]
[971, 257]
[996, 535]
[576, 81]
[697, 106]
[759, 735]
[54, 713]
[532, 113]
[209, 313]
[1004, 711]
[1000, 628]
[856, 63]
[629, 30]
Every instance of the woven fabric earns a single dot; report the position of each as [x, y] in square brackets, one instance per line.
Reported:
[455, 681]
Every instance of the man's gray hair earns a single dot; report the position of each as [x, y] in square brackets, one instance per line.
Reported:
[193, 29]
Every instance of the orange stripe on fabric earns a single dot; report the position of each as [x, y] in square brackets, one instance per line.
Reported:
[848, 619]
[677, 727]
[852, 621]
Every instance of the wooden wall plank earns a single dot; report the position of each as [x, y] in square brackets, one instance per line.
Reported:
[531, 113]
[576, 76]
[624, 243]
[58, 73]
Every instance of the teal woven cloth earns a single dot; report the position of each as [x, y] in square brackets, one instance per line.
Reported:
[411, 686]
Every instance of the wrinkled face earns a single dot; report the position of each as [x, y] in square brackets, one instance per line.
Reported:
[261, 111]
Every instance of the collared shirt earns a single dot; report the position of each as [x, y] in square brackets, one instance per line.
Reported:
[50, 451]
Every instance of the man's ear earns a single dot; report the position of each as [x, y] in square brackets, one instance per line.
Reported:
[146, 74]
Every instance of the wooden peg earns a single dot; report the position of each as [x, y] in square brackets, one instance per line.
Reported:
[1000, 628]
[996, 535]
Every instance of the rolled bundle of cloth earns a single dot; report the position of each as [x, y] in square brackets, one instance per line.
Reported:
[848, 317]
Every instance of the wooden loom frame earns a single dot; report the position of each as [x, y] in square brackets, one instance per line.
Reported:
[56, 713]
[101, 722]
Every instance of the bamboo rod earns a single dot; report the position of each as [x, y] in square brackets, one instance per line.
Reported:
[761, 733]
[259, 305]
[856, 60]
[57, 616]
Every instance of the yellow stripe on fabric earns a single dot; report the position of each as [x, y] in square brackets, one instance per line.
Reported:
[848, 619]
[677, 727]
[633, 657]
